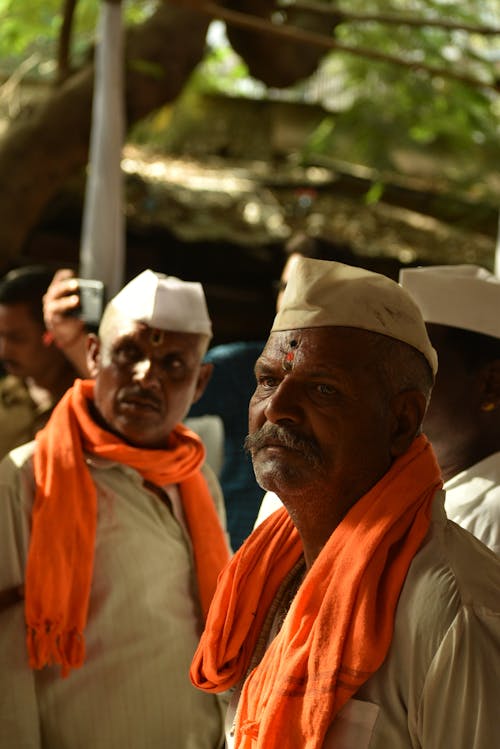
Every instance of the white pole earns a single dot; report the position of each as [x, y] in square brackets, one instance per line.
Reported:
[102, 249]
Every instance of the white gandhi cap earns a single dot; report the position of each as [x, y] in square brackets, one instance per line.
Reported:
[164, 302]
[460, 296]
[321, 293]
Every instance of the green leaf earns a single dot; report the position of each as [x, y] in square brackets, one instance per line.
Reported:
[374, 193]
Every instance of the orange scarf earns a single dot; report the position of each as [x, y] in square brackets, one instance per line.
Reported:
[64, 519]
[339, 628]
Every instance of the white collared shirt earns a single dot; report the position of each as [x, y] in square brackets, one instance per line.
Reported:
[473, 500]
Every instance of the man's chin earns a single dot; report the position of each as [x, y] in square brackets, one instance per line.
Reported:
[278, 476]
[139, 432]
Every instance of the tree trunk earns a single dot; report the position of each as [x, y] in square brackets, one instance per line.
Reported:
[48, 142]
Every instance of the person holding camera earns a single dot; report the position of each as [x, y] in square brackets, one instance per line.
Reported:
[112, 528]
[69, 330]
[36, 371]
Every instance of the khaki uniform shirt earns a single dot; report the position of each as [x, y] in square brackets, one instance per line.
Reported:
[133, 691]
[20, 416]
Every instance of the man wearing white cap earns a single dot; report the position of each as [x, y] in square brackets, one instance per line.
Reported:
[111, 528]
[461, 307]
[357, 616]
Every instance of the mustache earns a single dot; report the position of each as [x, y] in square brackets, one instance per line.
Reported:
[142, 394]
[272, 434]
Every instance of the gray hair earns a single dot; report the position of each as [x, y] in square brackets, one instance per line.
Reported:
[401, 367]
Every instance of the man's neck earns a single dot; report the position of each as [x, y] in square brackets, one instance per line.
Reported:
[454, 462]
[315, 522]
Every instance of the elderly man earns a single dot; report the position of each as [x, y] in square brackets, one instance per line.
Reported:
[461, 304]
[359, 616]
[109, 521]
[38, 373]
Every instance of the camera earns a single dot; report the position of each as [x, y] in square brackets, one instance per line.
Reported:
[92, 299]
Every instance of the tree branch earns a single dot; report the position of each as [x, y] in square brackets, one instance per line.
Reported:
[48, 143]
[286, 31]
[389, 19]
[63, 49]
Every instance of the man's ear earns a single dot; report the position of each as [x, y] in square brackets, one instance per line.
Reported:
[204, 376]
[489, 386]
[408, 410]
[93, 354]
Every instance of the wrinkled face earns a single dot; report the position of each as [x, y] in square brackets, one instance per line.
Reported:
[319, 418]
[146, 381]
[22, 350]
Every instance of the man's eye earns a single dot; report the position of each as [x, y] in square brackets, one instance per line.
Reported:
[127, 354]
[267, 382]
[325, 389]
[174, 365]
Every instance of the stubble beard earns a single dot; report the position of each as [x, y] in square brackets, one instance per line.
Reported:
[274, 472]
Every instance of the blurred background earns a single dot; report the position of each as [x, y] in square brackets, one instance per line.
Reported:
[371, 127]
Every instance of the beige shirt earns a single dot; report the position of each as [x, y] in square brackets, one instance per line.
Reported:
[133, 691]
[439, 687]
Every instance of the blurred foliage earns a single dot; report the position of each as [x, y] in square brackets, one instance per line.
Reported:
[30, 28]
[376, 113]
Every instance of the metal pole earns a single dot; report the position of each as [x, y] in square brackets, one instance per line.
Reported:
[102, 249]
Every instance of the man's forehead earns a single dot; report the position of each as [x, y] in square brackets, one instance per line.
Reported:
[17, 315]
[155, 337]
[322, 334]
[319, 345]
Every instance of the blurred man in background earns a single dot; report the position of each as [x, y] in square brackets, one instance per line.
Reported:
[461, 307]
[37, 372]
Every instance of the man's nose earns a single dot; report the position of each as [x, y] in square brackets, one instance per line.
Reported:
[284, 404]
[147, 373]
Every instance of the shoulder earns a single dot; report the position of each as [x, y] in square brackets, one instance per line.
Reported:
[19, 460]
[451, 570]
[13, 391]
[18, 414]
[17, 481]
[450, 590]
[447, 620]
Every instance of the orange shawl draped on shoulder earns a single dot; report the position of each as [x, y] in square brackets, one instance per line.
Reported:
[339, 627]
[61, 552]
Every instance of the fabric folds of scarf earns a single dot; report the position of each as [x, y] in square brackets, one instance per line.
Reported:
[339, 627]
[64, 518]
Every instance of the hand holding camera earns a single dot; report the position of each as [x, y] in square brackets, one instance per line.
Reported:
[72, 307]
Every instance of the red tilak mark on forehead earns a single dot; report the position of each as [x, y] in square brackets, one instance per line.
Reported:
[287, 362]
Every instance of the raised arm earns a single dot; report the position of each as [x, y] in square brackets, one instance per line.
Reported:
[67, 330]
